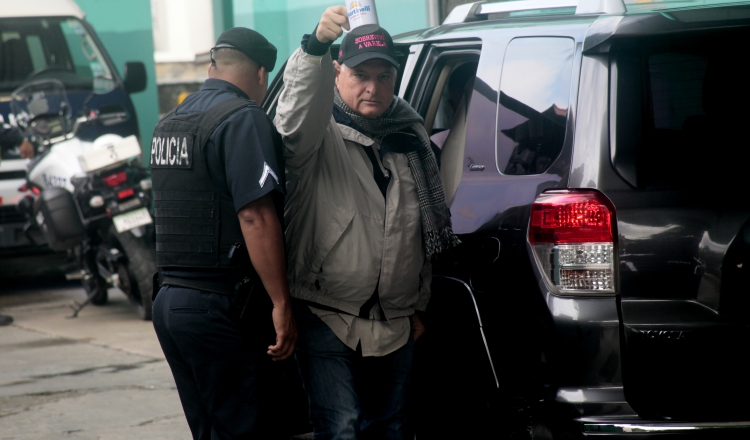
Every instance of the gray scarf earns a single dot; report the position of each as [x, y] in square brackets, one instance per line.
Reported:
[437, 233]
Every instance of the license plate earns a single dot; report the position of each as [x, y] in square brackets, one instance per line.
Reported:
[132, 219]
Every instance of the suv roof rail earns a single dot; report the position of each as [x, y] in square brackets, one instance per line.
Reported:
[479, 10]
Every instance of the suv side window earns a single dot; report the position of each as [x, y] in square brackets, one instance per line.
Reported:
[534, 100]
[456, 92]
[445, 101]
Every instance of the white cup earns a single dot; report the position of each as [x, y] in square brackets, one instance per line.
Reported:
[363, 18]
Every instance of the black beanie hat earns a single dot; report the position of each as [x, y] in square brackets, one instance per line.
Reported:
[251, 43]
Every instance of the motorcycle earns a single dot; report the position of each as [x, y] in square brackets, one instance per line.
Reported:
[90, 199]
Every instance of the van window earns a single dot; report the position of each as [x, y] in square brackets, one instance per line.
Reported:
[534, 100]
[61, 48]
[36, 50]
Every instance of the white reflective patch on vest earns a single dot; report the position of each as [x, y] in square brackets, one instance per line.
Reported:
[172, 150]
[266, 172]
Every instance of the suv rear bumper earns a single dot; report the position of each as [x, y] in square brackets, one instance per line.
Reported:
[603, 412]
[645, 429]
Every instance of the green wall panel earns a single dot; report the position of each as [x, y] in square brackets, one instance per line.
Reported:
[125, 29]
[270, 19]
[284, 22]
[223, 11]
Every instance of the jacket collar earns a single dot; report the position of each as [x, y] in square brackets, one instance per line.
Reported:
[221, 85]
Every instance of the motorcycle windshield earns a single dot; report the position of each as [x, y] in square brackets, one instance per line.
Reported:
[38, 98]
[62, 48]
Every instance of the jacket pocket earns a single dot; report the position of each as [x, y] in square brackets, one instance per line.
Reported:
[340, 220]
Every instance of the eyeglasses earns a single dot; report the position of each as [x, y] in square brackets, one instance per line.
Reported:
[220, 46]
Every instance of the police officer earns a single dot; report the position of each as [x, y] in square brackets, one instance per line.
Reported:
[11, 137]
[218, 183]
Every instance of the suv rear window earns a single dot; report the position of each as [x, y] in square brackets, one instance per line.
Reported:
[61, 48]
[534, 101]
[681, 110]
[676, 83]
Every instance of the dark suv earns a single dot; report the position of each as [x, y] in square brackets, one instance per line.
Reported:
[591, 158]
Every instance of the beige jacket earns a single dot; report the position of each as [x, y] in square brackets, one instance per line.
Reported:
[342, 236]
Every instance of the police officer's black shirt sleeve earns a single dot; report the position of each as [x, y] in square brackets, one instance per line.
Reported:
[249, 150]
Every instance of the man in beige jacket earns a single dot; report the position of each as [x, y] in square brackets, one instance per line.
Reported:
[364, 214]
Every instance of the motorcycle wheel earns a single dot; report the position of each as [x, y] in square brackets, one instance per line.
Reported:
[94, 283]
[136, 275]
[99, 285]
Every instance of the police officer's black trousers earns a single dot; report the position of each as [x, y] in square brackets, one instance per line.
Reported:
[218, 369]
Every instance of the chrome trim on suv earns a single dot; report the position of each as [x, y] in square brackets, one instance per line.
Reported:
[481, 327]
[475, 11]
[667, 428]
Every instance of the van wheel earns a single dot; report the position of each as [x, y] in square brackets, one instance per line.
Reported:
[136, 274]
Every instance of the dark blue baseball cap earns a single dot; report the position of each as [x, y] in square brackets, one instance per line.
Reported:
[356, 49]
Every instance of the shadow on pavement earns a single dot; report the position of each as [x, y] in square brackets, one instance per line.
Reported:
[34, 272]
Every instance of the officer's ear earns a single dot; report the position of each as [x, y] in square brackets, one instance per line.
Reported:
[211, 66]
[263, 77]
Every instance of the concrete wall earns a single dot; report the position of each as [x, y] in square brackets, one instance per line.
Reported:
[182, 29]
[124, 27]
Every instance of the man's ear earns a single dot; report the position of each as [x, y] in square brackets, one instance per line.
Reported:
[338, 70]
[263, 77]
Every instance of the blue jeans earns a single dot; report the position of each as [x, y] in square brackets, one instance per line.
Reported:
[351, 396]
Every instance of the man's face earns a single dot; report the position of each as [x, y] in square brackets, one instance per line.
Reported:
[368, 87]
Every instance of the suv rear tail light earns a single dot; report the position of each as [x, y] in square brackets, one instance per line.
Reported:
[116, 179]
[572, 234]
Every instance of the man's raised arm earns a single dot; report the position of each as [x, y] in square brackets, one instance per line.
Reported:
[306, 103]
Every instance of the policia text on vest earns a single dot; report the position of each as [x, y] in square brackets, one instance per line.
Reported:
[172, 150]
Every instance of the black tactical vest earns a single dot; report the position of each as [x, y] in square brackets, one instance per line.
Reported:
[196, 224]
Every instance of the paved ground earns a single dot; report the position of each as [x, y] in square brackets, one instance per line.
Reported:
[99, 376]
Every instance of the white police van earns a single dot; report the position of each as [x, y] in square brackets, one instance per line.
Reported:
[50, 39]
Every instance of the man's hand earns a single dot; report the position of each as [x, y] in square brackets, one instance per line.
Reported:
[286, 332]
[332, 23]
[27, 149]
[417, 326]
